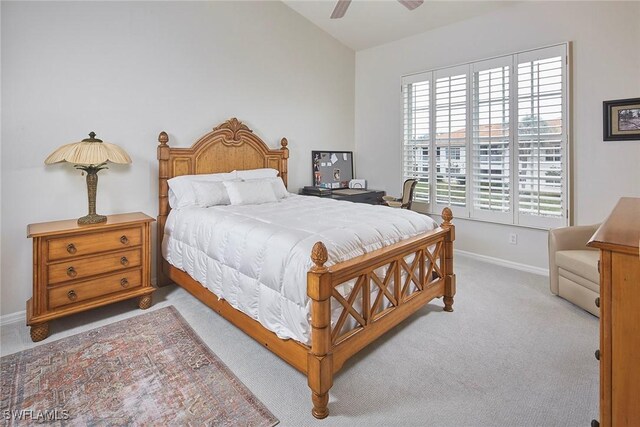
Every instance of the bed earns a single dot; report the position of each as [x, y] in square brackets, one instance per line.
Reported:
[350, 301]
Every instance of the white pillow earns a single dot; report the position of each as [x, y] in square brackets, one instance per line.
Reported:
[257, 173]
[210, 193]
[250, 192]
[181, 192]
[278, 186]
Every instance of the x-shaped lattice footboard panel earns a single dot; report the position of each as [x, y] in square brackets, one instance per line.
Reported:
[366, 303]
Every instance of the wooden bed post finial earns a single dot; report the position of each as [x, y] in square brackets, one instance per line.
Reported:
[447, 216]
[319, 256]
[163, 138]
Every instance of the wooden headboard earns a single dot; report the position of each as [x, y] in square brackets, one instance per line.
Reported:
[229, 146]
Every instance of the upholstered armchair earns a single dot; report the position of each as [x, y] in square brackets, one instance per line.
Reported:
[573, 267]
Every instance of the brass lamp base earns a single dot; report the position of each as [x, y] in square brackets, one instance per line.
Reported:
[92, 219]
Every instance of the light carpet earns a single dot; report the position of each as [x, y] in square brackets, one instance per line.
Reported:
[511, 354]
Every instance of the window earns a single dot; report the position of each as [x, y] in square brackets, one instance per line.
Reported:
[489, 138]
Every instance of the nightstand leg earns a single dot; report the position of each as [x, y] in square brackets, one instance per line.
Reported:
[144, 302]
[39, 332]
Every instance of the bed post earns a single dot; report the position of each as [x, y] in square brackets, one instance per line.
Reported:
[163, 205]
[320, 358]
[450, 277]
[284, 169]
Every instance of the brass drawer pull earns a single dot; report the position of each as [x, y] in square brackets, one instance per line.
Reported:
[597, 354]
[71, 248]
[124, 282]
[124, 260]
[598, 302]
[124, 239]
[72, 295]
[71, 272]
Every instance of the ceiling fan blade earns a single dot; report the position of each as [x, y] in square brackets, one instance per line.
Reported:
[411, 4]
[340, 9]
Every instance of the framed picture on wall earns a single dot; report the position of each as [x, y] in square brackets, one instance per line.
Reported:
[621, 119]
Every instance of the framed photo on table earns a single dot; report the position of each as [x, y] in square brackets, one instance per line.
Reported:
[621, 119]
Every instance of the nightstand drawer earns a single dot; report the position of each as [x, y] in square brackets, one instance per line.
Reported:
[76, 269]
[87, 244]
[81, 291]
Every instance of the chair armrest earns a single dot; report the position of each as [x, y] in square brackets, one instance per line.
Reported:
[575, 237]
[566, 238]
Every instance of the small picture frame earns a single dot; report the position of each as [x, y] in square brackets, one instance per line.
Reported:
[621, 119]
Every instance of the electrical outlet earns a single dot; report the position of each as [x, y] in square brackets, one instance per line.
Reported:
[513, 238]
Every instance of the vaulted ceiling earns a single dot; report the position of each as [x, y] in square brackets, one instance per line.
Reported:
[372, 23]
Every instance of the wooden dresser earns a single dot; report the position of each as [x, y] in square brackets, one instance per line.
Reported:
[77, 268]
[618, 239]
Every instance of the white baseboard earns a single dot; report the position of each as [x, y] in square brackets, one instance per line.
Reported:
[19, 316]
[504, 263]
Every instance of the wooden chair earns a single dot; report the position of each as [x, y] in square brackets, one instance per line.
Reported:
[407, 195]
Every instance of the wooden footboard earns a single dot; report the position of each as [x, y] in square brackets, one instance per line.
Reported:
[383, 287]
[390, 284]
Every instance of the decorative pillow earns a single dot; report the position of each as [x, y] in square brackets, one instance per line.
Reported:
[210, 193]
[250, 192]
[181, 192]
[278, 186]
[257, 173]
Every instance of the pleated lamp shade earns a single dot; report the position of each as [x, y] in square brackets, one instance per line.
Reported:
[89, 151]
[90, 155]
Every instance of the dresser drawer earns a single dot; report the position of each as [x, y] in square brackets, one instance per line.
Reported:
[81, 291]
[75, 269]
[371, 197]
[87, 244]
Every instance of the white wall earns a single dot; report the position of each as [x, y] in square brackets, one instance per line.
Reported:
[129, 70]
[606, 66]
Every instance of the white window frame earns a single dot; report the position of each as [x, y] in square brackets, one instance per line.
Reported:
[513, 217]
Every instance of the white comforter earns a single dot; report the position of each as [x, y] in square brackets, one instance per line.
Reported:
[256, 257]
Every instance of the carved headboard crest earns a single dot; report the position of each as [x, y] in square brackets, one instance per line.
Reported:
[234, 126]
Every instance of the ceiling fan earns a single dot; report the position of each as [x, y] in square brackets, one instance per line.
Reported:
[343, 5]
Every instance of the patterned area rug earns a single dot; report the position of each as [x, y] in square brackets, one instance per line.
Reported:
[151, 369]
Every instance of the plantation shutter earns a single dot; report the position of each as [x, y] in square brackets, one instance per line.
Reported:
[417, 138]
[450, 155]
[541, 137]
[490, 140]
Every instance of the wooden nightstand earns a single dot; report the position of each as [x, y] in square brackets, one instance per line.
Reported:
[77, 268]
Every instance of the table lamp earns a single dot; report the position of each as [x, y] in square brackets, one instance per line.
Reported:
[90, 155]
